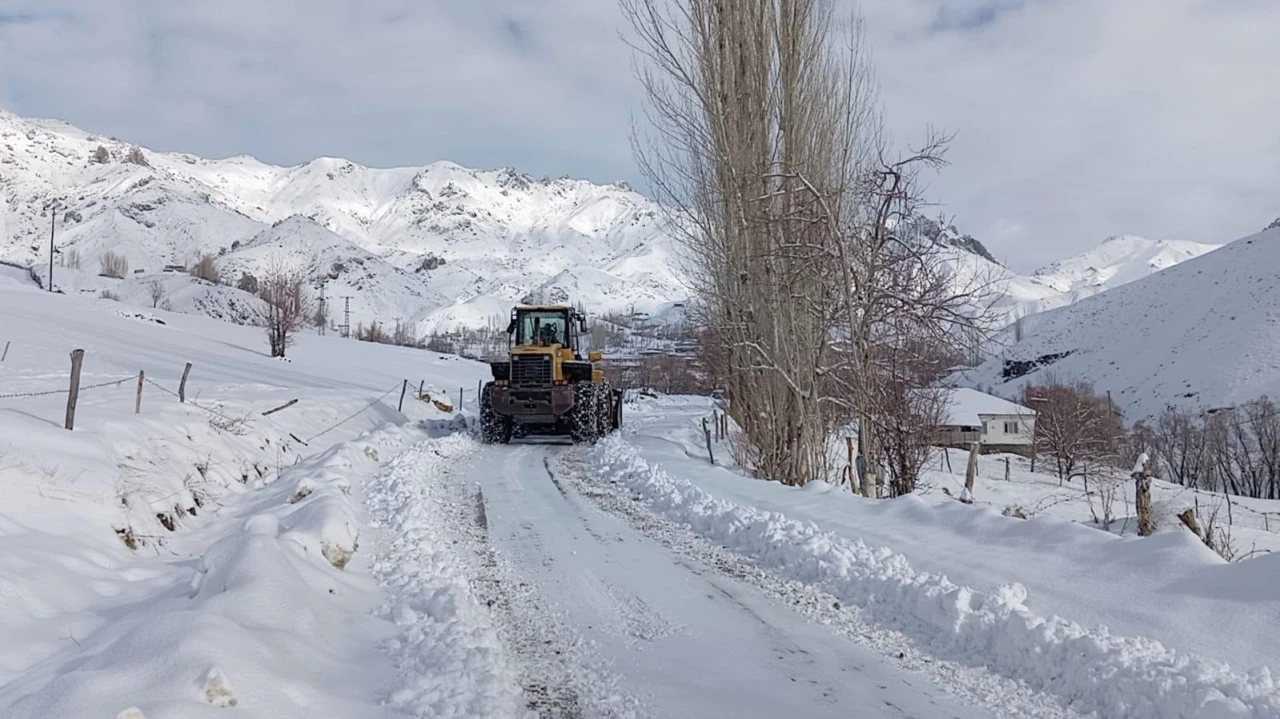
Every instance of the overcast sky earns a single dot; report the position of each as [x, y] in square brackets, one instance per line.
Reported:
[1074, 119]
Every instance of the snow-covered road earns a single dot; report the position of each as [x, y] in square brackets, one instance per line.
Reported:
[606, 610]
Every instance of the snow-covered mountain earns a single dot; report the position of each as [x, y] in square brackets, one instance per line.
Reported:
[1117, 261]
[435, 245]
[439, 247]
[1202, 334]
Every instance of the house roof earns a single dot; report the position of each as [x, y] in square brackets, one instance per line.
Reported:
[967, 407]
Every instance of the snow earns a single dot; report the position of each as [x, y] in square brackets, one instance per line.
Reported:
[1202, 334]
[250, 584]
[1120, 626]
[614, 612]
[1117, 261]
[502, 234]
[966, 407]
[450, 658]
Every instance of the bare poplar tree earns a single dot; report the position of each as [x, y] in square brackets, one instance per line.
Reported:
[113, 265]
[769, 154]
[288, 304]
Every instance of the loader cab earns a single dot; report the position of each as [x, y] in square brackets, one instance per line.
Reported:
[547, 327]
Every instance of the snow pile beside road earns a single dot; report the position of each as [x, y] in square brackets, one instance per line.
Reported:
[451, 661]
[1090, 669]
[264, 621]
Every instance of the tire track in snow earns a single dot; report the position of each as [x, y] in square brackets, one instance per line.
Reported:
[546, 682]
[560, 676]
[1002, 696]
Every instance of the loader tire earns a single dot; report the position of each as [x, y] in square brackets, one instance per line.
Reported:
[583, 424]
[494, 428]
[604, 407]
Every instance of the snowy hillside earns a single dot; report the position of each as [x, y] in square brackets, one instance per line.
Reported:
[1202, 334]
[402, 242]
[441, 246]
[1115, 262]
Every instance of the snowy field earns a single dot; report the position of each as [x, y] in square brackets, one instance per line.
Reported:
[341, 558]
[232, 593]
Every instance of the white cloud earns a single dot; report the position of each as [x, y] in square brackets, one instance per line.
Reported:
[1075, 119]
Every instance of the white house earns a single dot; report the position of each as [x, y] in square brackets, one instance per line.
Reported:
[998, 424]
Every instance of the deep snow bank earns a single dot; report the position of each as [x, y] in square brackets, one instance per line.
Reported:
[1090, 669]
[265, 620]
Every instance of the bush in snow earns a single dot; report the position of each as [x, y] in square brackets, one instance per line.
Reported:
[247, 283]
[100, 156]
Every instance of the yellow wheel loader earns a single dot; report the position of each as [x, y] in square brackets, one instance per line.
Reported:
[544, 386]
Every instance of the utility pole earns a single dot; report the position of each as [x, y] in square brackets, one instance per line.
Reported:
[53, 217]
[346, 316]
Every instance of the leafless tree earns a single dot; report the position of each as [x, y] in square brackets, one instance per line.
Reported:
[113, 265]
[71, 259]
[206, 268]
[768, 152]
[906, 422]
[373, 332]
[288, 305]
[320, 318]
[403, 335]
[156, 289]
[1178, 445]
[1073, 423]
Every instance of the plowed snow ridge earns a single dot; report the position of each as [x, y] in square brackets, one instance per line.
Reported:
[1130, 677]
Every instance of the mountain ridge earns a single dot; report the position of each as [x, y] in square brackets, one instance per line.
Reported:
[439, 246]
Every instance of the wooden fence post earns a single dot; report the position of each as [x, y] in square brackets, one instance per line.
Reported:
[404, 388]
[1146, 522]
[137, 402]
[459, 399]
[286, 405]
[971, 472]
[77, 358]
[706, 431]
[421, 384]
[1006, 469]
[182, 386]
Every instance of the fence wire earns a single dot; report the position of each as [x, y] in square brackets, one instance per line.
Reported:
[50, 392]
[399, 385]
